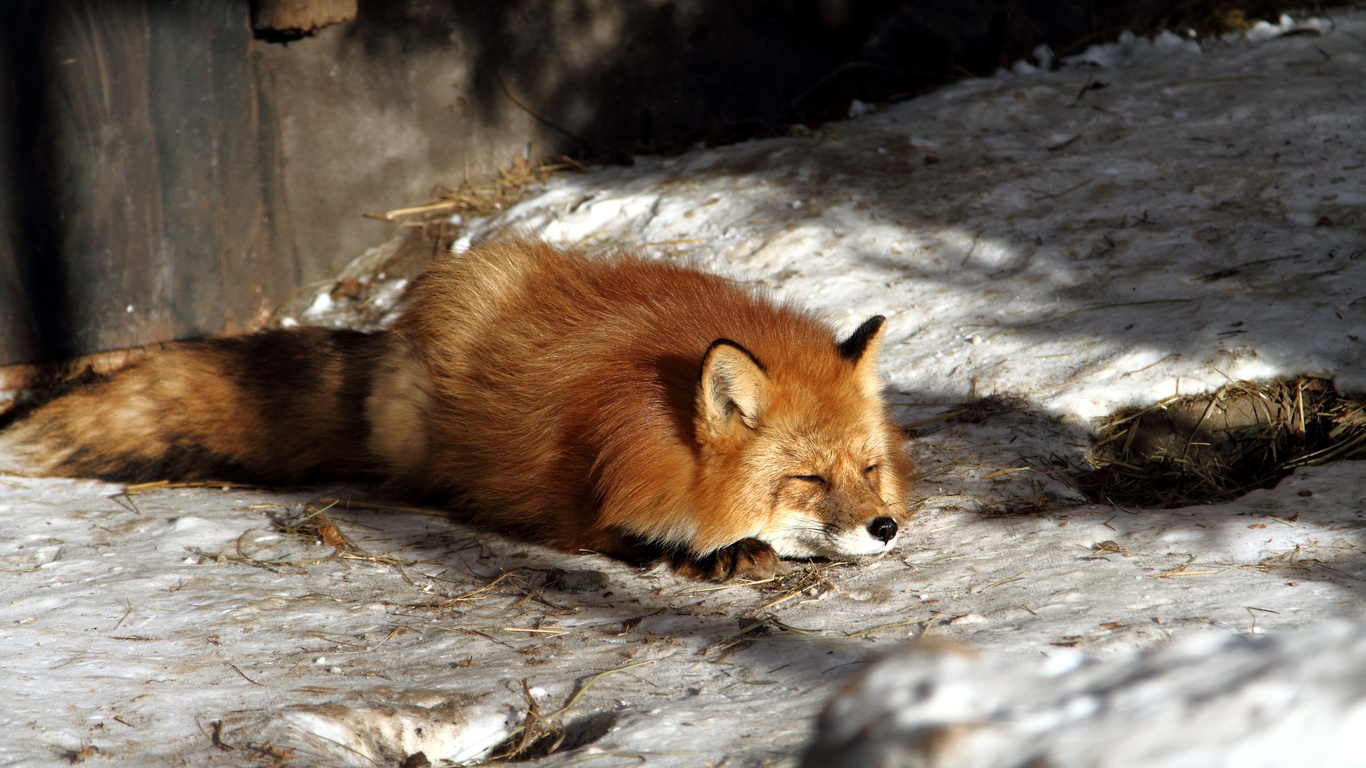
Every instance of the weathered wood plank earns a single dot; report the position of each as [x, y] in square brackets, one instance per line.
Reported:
[20, 334]
[103, 164]
[212, 146]
[134, 207]
[182, 67]
[255, 271]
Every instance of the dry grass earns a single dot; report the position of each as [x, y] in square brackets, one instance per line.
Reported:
[478, 197]
[304, 521]
[1191, 450]
[541, 735]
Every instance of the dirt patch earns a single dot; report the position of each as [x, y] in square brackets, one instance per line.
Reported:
[1191, 450]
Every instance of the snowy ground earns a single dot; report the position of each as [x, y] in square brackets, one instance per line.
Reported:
[1149, 219]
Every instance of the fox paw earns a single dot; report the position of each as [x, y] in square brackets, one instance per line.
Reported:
[746, 558]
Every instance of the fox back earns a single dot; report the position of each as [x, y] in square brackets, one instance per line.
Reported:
[592, 402]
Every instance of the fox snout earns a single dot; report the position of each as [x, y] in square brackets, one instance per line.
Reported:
[874, 537]
[815, 520]
[798, 535]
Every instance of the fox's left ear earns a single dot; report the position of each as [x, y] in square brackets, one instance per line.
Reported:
[861, 349]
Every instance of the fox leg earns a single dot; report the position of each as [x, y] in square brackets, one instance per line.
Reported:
[746, 558]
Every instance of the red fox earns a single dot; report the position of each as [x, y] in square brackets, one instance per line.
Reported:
[601, 402]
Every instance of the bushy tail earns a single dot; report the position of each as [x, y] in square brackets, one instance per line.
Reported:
[279, 406]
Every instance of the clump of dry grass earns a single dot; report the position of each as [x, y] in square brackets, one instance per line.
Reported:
[478, 197]
[1191, 450]
[542, 734]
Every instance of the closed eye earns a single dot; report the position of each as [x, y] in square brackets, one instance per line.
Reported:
[871, 468]
[817, 479]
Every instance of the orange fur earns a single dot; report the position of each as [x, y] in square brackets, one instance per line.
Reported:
[589, 402]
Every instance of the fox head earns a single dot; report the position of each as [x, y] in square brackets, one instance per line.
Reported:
[799, 450]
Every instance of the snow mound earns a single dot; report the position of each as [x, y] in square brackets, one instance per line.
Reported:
[1202, 702]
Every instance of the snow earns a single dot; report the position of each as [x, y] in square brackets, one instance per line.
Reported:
[1215, 700]
[1150, 218]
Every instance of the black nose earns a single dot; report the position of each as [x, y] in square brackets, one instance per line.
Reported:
[882, 528]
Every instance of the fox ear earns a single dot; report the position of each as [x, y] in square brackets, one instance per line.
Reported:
[861, 349]
[733, 383]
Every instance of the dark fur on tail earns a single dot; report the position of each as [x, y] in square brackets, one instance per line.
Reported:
[281, 406]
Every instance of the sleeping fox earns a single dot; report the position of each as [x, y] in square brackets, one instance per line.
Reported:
[600, 402]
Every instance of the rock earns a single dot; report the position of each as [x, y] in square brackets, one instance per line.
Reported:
[575, 581]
